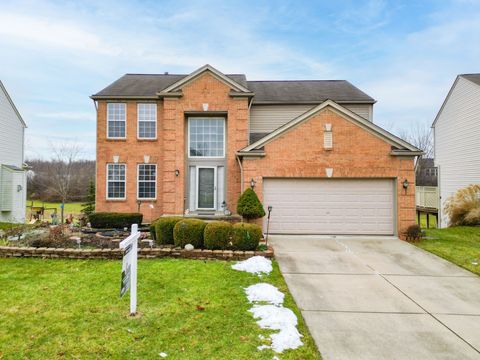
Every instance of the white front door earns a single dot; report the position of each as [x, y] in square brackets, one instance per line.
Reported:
[206, 187]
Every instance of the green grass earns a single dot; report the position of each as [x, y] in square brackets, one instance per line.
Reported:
[460, 245]
[71, 309]
[423, 221]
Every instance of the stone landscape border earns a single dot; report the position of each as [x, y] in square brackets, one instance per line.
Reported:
[145, 253]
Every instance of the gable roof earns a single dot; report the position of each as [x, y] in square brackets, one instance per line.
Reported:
[403, 147]
[307, 92]
[210, 69]
[474, 78]
[12, 104]
[151, 86]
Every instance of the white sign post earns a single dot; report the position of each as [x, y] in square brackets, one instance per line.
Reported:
[129, 267]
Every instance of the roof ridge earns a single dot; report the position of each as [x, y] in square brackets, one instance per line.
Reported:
[310, 80]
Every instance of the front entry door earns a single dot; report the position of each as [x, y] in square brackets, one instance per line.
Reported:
[206, 187]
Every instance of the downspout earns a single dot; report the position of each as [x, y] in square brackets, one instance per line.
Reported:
[241, 172]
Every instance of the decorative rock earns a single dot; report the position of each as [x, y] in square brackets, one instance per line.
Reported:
[189, 247]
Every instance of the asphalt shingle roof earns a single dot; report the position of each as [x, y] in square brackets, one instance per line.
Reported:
[293, 91]
[472, 77]
[306, 91]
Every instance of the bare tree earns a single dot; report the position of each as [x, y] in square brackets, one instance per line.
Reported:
[60, 170]
[419, 136]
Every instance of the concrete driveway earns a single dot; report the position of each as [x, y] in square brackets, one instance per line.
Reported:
[381, 298]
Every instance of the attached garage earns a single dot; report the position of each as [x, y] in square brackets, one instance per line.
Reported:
[330, 206]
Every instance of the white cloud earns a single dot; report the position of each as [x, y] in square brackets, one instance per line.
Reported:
[39, 31]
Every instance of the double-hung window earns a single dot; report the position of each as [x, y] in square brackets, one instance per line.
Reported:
[116, 120]
[206, 137]
[116, 181]
[147, 121]
[147, 181]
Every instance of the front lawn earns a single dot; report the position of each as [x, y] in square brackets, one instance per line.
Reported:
[189, 309]
[460, 245]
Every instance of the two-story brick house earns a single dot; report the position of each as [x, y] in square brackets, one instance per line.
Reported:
[190, 144]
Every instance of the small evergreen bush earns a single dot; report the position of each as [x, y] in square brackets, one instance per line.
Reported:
[189, 231]
[164, 229]
[246, 236]
[249, 206]
[218, 235]
[107, 220]
[151, 228]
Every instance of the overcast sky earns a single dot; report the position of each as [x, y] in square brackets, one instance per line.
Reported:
[405, 54]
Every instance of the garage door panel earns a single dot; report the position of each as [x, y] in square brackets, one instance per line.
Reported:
[330, 206]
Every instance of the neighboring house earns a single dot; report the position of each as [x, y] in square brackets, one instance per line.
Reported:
[456, 130]
[426, 173]
[13, 183]
[190, 144]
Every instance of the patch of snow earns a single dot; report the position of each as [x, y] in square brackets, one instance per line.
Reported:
[282, 319]
[254, 265]
[261, 337]
[263, 347]
[162, 354]
[264, 292]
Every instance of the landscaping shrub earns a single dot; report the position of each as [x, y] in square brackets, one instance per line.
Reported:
[249, 206]
[114, 220]
[151, 228]
[413, 233]
[463, 208]
[164, 229]
[218, 235]
[189, 231]
[246, 236]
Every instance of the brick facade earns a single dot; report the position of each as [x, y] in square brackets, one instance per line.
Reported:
[356, 153]
[168, 151]
[299, 152]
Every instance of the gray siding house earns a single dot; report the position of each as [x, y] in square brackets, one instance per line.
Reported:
[456, 132]
[13, 190]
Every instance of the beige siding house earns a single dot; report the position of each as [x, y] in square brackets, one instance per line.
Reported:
[13, 190]
[457, 139]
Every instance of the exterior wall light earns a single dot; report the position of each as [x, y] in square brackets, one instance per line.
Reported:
[252, 183]
[177, 172]
[405, 185]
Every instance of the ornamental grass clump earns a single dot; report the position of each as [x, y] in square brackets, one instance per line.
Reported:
[164, 229]
[463, 208]
[189, 231]
[249, 206]
[218, 235]
[246, 237]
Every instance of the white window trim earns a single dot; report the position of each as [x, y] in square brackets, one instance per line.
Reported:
[224, 138]
[138, 123]
[197, 188]
[115, 137]
[107, 181]
[138, 182]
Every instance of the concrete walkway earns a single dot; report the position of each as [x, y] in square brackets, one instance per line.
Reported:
[381, 298]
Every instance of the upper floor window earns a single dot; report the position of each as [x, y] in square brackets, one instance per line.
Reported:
[431, 171]
[147, 181]
[147, 121]
[206, 137]
[116, 181]
[116, 120]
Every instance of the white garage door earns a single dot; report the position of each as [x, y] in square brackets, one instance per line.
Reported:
[330, 206]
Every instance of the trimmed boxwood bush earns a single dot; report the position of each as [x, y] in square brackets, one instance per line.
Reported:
[218, 235]
[246, 236]
[164, 229]
[249, 206]
[189, 231]
[151, 228]
[106, 220]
